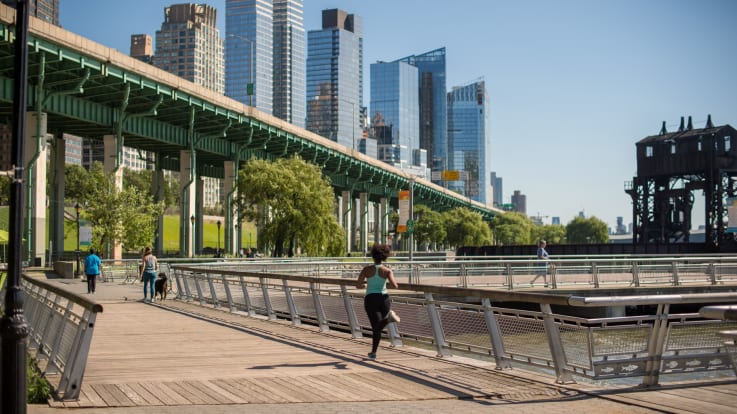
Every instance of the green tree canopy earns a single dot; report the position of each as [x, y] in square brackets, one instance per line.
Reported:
[551, 233]
[466, 228]
[513, 228]
[429, 225]
[127, 216]
[587, 230]
[294, 204]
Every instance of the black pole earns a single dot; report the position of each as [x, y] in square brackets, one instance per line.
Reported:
[79, 269]
[13, 327]
[218, 251]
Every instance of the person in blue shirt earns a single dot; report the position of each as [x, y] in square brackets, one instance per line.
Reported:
[92, 267]
[376, 302]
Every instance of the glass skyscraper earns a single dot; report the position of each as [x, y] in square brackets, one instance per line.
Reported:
[468, 141]
[189, 45]
[433, 109]
[395, 112]
[335, 78]
[249, 48]
[289, 62]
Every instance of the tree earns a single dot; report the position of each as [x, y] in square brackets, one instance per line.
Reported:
[294, 204]
[127, 216]
[512, 228]
[551, 233]
[466, 228]
[587, 230]
[80, 184]
[4, 190]
[429, 226]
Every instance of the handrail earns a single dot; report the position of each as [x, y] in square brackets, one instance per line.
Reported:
[60, 325]
[452, 318]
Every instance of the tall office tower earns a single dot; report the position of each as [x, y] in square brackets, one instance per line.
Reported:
[189, 45]
[289, 62]
[395, 113]
[142, 47]
[469, 151]
[433, 107]
[496, 184]
[335, 77]
[249, 52]
[519, 201]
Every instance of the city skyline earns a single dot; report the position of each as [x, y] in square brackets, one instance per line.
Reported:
[572, 85]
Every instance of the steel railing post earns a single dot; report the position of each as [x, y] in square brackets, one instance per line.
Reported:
[322, 321]
[267, 301]
[595, 275]
[562, 374]
[437, 328]
[510, 279]
[495, 334]
[247, 297]
[76, 369]
[655, 346]
[228, 294]
[293, 313]
[187, 291]
[676, 279]
[196, 277]
[213, 293]
[635, 274]
[351, 313]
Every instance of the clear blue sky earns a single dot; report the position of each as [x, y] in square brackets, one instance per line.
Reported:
[573, 84]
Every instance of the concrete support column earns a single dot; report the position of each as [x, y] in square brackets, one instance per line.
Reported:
[112, 160]
[364, 212]
[346, 207]
[35, 161]
[56, 235]
[377, 222]
[188, 192]
[158, 190]
[231, 218]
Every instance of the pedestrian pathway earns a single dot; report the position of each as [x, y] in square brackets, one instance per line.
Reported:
[175, 356]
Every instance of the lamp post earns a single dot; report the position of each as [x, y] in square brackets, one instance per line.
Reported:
[250, 86]
[194, 242]
[217, 252]
[77, 207]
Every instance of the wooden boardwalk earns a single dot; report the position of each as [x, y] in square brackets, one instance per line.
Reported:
[182, 354]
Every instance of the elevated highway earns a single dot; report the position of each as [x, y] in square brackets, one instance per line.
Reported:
[86, 89]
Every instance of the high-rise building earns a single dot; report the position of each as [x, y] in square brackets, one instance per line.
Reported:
[47, 10]
[496, 184]
[469, 151]
[394, 114]
[433, 107]
[249, 52]
[189, 45]
[142, 47]
[289, 62]
[519, 201]
[335, 78]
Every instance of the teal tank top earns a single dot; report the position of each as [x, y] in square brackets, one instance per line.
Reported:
[376, 283]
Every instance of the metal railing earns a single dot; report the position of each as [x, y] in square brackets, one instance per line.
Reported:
[729, 336]
[593, 347]
[515, 274]
[60, 325]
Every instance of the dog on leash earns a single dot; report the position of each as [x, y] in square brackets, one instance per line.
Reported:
[161, 286]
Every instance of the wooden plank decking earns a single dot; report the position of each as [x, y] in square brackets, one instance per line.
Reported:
[182, 354]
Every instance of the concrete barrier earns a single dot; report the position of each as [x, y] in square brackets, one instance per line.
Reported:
[64, 269]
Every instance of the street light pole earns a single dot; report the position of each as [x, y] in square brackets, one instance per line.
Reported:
[77, 208]
[218, 250]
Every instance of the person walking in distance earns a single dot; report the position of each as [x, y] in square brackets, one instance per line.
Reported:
[376, 302]
[542, 254]
[92, 267]
[149, 265]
